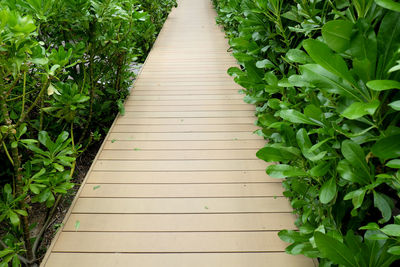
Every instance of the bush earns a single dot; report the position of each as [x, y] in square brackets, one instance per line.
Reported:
[324, 76]
[64, 73]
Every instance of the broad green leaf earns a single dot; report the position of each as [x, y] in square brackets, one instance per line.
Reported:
[392, 229]
[291, 236]
[320, 169]
[283, 170]
[327, 81]
[382, 204]
[264, 64]
[395, 105]
[370, 226]
[271, 154]
[388, 40]
[295, 116]
[387, 148]
[5, 252]
[359, 109]
[298, 56]
[333, 63]
[14, 218]
[389, 4]
[395, 250]
[354, 154]
[337, 34]
[328, 191]
[334, 250]
[235, 72]
[357, 197]
[364, 50]
[381, 85]
[394, 163]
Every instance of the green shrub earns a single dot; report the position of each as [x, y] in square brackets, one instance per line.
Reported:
[324, 76]
[64, 73]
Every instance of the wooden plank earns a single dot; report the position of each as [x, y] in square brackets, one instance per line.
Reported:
[184, 108]
[184, 92]
[185, 121]
[184, 97]
[187, 114]
[180, 222]
[182, 205]
[179, 165]
[181, 177]
[181, 190]
[137, 128]
[169, 242]
[185, 102]
[184, 145]
[184, 136]
[178, 154]
[270, 259]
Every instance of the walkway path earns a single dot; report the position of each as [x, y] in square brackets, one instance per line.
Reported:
[177, 182]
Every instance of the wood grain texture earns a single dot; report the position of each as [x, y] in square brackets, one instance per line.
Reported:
[177, 182]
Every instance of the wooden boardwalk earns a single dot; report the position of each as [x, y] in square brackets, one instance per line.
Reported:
[176, 182]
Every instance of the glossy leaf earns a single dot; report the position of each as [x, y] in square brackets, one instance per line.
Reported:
[328, 191]
[337, 34]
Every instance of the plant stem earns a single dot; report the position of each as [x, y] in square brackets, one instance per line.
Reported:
[45, 225]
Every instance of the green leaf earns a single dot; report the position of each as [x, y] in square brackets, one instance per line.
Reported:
[295, 116]
[337, 33]
[394, 163]
[395, 105]
[354, 154]
[395, 250]
[15, 261]
[359, 109]
[5, 252]
[357, 197]
[328, 191]
[298, 56]
[382, 204]
[333, 63]
[14, 218]
[392, 229]
[381, 85]
[387, 148]
[334, 250]
[77, 225]
[320, 169]
[370, 226]
[283, 170]
[389, 4]
[291, 236]
[264, 64]
[271, 154]
[327, 81]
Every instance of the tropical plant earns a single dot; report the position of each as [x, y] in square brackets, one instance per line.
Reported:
[324, 77]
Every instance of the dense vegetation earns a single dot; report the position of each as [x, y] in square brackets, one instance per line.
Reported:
[64, 73]
[324, 76]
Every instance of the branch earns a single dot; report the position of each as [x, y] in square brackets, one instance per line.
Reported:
[45, 225]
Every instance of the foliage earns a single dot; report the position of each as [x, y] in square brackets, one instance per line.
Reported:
[64, 72]
[324, 76]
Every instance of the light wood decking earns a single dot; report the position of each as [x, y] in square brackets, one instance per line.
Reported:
[176, 182]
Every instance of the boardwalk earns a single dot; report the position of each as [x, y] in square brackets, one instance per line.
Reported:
[177, 182]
